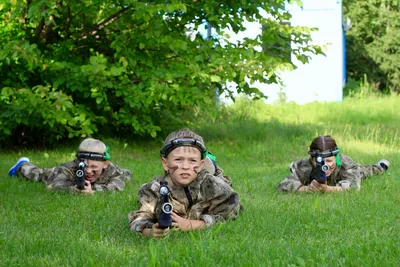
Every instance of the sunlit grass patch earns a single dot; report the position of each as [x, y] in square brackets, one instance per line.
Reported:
[254, 144]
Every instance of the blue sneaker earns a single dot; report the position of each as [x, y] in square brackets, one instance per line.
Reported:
[13, 170]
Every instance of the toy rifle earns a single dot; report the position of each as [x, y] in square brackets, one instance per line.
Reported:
[82, 155]
[319, 172]
[80, 176]
[165, 220]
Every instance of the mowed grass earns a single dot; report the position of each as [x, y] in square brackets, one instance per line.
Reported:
[254, 143]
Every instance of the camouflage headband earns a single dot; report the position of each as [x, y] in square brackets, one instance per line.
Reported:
[331, 152]
[324, 154]
[94, 156]
[167, 148]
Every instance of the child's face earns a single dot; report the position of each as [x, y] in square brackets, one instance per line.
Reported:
[94, 169]
[330, 162]
[183, 164]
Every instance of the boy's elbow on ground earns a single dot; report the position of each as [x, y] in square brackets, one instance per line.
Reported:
[282, 188]
[285, 188]
[58, 187]
[289, 185]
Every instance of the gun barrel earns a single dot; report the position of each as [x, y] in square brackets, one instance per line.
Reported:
[165, 219]
[318, 173]
[80, 176]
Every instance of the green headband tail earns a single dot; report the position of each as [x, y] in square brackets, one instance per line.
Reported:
[338, 161]
[211, 156]
[106, 153]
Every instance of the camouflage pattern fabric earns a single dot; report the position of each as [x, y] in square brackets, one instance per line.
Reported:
[348, 172]
[63, 177]
[215, 170]
[213, 200]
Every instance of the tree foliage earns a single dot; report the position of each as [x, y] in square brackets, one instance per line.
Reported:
[74, 68]
[373, 42]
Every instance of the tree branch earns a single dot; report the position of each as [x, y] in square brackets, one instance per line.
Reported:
[38, 29]
[67, 23]
[28, 4]
[104, 23]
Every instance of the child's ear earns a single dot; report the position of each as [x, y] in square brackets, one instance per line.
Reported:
[164, 163]
[106, 164]
[201, 164]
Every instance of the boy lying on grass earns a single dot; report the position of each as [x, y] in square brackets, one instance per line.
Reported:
[326, 170]
[199, 198]
[91, 171]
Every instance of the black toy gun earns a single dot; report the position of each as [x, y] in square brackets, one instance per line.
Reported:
[82, 155]
[165, 220]
[319, 172]
[80, 176]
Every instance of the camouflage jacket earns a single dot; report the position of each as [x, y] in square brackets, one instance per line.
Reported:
[63, 177]
[348, 172]
[212, 200]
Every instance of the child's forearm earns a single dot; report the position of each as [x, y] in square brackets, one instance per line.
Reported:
[193, 225]
[147, 232]
[328, 188]
[335, 188]
[302, 188]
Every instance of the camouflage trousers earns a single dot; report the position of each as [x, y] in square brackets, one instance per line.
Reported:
[368, 170]
[31, 172]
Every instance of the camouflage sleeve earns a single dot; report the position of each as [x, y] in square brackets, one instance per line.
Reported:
[145, 217]
[62, 178]
[300, 176]
[349, 172]
[291, 184]
[114, 184]
[112, 179]
[224, 201]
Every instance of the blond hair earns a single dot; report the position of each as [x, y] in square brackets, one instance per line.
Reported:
[92, 145]
[183, 133]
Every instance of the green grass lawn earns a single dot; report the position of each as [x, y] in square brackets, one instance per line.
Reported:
[254, 143]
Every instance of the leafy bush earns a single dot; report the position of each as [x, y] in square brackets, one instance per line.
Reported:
[373, 42]
[76, 68]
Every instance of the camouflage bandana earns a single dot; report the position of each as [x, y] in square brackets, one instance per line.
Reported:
[183, 142]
